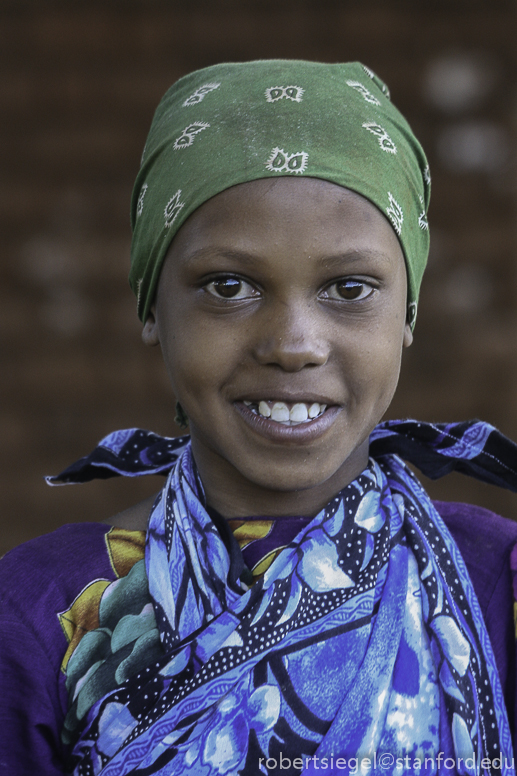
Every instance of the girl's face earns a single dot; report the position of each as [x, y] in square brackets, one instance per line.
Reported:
[281, 313]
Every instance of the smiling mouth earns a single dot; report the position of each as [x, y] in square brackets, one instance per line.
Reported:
[287, 413]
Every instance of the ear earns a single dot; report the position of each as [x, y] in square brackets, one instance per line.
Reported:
[408, 336]
[150, 332]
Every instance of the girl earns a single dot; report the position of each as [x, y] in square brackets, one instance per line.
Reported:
[291, 600]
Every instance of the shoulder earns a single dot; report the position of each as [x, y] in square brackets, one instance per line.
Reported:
[48, 590]
[136, 517]
[486, 541]
[49, 581]
[57, 558]
[40, 580]
[482, 536]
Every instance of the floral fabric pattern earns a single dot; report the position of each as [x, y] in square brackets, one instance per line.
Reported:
[364, 635]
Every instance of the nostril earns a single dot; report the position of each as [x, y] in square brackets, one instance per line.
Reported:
[292, 354]
[292, 359]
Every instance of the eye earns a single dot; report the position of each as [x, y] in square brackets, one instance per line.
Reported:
[349, 290]
[230, 287]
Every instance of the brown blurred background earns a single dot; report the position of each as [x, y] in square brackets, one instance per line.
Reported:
[79, 84]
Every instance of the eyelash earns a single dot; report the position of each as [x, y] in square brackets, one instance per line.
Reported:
[349, 283]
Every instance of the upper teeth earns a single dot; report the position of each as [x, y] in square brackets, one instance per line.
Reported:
[264, 410]
[280, 412]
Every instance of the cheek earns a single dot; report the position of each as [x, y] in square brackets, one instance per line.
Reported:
[377, 364]
[198, 357]
[388, 359]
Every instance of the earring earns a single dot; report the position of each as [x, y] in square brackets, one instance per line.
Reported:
[181, 416]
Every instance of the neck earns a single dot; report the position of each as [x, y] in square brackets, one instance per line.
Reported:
[233, 495]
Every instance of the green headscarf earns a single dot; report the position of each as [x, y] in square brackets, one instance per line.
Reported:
[233, 123]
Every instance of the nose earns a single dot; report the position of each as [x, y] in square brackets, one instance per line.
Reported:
[292, 337]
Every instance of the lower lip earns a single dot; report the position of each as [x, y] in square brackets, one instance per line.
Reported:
[278, 432]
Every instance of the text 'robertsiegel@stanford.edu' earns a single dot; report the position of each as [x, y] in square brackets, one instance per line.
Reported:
[386, 762]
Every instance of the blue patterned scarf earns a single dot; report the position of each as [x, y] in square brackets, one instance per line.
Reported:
[363, 647]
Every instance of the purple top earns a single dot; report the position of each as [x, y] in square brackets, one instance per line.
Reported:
[41, 579]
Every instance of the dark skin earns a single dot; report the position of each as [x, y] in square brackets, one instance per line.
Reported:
[289, 290]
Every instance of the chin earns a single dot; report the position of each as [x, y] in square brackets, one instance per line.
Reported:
[289, 481]
[293, 475]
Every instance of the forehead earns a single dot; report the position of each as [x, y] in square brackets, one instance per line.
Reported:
[308, 213]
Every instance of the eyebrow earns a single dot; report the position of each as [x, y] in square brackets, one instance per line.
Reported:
[225, 253]
[354, 257]
[250, 259]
